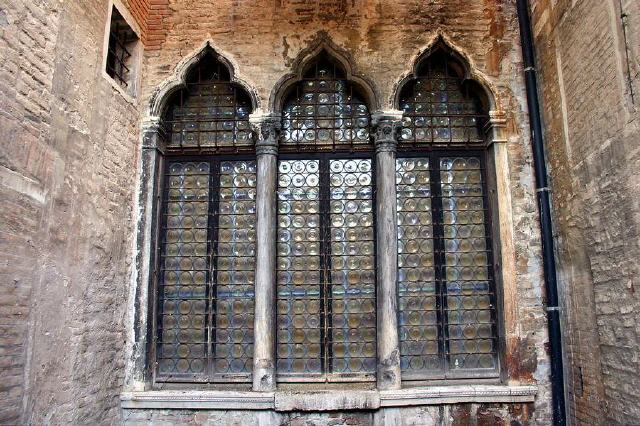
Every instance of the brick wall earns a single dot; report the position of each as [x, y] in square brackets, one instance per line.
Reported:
[592, 132]
[67, 161]
[150, 15]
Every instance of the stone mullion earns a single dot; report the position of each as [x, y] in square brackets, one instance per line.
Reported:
[388, 371]
[266, 129]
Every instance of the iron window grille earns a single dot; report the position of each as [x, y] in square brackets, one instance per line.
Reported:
[206, 259]
[326, 320]
[447, 300]
[120, 49]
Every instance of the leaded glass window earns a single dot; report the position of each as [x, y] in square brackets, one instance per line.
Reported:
[325, 113]
[446, 288]
[206, 253]
[440, 108]
[210, 114]
[326, 322]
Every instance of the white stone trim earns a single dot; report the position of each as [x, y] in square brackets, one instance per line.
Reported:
[458, 394]
[327, 399]
[212, 400]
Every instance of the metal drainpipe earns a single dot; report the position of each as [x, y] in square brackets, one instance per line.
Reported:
[542, 189]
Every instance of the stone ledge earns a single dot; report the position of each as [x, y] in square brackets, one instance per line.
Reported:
[198, 400]
[327, 400]
[431, 395]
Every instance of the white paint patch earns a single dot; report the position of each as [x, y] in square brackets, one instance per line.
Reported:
[22, 184]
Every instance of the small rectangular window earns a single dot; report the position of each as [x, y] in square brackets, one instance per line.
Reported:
[121, 51]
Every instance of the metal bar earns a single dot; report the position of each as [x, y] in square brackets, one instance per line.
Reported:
[212, 251]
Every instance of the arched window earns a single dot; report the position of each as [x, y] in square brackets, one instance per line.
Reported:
[326, 321]
[447, 315]
[206, 243]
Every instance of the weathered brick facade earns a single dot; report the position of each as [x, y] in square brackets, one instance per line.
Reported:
[70, 302]
[67, 170]
[592, 130]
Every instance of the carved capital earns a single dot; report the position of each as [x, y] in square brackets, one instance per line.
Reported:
[153, 133]
[266, 129]
[496, 126]
[385, 127]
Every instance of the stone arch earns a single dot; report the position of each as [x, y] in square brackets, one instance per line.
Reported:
[323, 45]
[469, 74]
[177, 80]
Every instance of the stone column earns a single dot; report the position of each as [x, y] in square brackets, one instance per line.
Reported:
[386, 126]
[266, 128]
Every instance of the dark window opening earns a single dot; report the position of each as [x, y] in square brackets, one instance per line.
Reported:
[120, 53]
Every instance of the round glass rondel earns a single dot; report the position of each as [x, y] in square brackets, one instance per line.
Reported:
[205, 318]
[446, 291]
[326, 275]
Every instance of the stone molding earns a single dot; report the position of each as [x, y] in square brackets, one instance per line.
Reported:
[457, 394]
[152, 132]
[198, 400]
[328, 399]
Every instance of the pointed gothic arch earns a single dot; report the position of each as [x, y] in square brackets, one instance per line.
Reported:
[323, 47]
[441, 46]
[178, 80]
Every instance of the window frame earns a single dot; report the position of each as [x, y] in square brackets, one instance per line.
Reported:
[131, 91]
[154, 153]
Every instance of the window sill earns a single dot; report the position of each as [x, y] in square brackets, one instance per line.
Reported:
[327, 400]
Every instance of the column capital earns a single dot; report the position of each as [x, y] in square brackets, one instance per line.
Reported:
[496, 126]
[385, 125]
[153, 132]
[266, 128]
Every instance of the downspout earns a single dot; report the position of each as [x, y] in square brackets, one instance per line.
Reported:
[542, 190]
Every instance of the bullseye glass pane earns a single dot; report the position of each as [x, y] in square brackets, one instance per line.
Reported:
[470, 310]
[439, 110]
[205, 321]
[419, 298]
[325, 112]
[235, 261]
[299, 303]
[210, 113]
[352, 328]
[184, 265]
